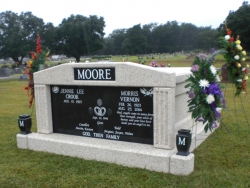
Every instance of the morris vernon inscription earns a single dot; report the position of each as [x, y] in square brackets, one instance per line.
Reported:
[116, 113]
[99, 74]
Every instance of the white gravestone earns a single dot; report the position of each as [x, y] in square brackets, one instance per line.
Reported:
[122, 113]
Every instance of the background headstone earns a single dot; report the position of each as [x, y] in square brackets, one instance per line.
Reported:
[24, 77]
[4, 72]
[224, 74]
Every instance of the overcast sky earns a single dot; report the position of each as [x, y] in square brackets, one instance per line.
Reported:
[120, 14]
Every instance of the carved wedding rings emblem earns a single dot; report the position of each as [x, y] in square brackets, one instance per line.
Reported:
[100, 111]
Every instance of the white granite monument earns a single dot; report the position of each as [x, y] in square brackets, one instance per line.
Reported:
[117, 112]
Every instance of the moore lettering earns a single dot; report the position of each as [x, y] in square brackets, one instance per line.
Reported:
[100, 74]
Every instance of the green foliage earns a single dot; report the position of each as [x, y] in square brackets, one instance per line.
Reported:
[18, 34]
[135, 42]
[165, 38]
[113, 43]
[78, 35]
[5, 66]
[14, 65]
[101, 57]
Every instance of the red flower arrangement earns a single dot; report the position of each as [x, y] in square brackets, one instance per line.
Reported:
[38, 58]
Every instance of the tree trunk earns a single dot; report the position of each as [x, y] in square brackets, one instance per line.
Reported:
[17, 61]
[77, 59]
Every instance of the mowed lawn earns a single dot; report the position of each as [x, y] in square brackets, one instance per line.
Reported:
[223, 160]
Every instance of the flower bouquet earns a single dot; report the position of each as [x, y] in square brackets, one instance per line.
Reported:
[38, 58]
[206, 98]
[235, 60]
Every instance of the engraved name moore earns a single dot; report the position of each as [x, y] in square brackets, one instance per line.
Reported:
[106, 74]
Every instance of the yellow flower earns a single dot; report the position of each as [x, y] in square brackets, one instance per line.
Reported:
[30, 63]
[247, 65]
[237, 41]
[243, 59]
[239, 47]
[246, 77]
[238, 65]
[244, 52]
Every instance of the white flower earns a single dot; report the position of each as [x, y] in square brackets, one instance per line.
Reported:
[237, 57]
[239, 80]
[218, 109]
[210, 99]
[213, 69]
[203, 83]
[227, 37]
[217, 78]
[243, 69]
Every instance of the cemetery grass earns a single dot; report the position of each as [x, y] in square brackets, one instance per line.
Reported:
[220, 161]
[178, 61]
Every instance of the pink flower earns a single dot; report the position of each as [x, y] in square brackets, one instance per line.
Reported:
[202, 56]
[195, 68]
[191, 95]
[214, 125]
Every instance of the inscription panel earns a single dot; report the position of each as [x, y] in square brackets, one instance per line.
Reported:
[116, 113]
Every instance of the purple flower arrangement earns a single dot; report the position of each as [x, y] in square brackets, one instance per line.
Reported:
[206, 99]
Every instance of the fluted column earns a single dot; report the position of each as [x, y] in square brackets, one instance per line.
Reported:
[43, 109]
[164, 116]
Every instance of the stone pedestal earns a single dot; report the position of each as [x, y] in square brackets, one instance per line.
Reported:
[22, 141]
[181, 165]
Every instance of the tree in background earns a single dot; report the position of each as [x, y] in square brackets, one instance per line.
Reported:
[135, 42]
[78, 35]
[107, 48]
[147, 32]
[187, 38]
[164, 38]
[206, 38]
[116, 38]
[18, 34]
[239, 22]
